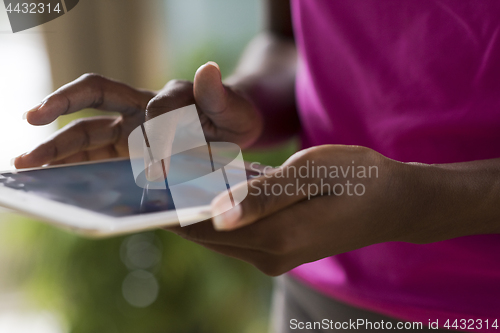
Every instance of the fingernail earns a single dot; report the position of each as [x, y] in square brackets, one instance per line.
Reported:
[228, 219]
[13, 160]
[25, 115]
[213, 63]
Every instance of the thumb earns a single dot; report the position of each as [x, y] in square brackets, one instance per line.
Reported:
[267, 194]
[209, 92]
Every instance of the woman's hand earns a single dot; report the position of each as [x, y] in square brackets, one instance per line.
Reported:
[225, 115]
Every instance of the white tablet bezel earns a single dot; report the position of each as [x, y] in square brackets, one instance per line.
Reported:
[89, 223]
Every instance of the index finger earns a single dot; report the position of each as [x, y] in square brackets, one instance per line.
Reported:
[90, 91]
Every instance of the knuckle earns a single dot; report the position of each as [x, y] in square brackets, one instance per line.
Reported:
[159, 101]
[300, 158]
[81, 127]
[154, 102]
[179, 84]
[156, 107]
[371, 154]
[91, 78]
[175, 95]
[49, 150]
[93, 86]
[316, 155]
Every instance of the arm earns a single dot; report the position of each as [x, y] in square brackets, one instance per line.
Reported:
[266, 74]
[287, 220]
[452, 200]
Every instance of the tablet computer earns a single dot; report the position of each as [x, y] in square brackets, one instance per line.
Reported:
[100, 199]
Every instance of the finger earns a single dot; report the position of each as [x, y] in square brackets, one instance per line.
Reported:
[282, 233]
[267, 263]
[268, 194]
[89, 91]
[283, 237]
[234, 117]
[89, 155]
[253, 237]
[81, 135]
[175, 95]
[209, 92]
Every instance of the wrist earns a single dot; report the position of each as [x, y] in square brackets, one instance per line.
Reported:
[445, 201]
[424, 195]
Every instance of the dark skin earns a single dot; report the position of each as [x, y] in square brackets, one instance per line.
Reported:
[408, 202]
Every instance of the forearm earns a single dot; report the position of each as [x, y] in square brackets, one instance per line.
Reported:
[453, 200]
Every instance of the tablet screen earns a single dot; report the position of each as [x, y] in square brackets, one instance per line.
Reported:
[107, 187]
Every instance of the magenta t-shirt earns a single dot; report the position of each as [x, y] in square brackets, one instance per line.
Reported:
[417, 81]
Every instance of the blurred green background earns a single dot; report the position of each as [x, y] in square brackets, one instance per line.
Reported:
[153, 281]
